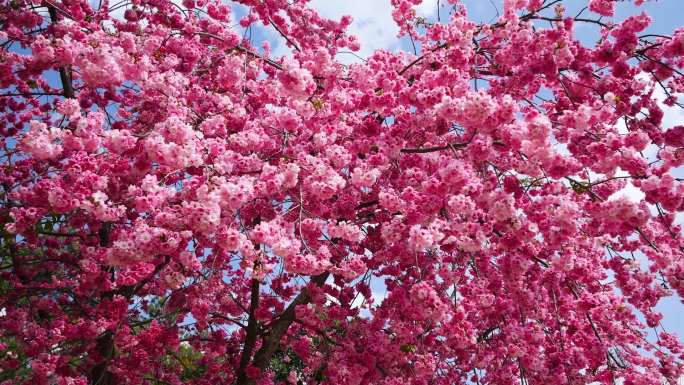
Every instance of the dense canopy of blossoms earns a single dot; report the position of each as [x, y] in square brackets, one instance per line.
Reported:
[180, 206]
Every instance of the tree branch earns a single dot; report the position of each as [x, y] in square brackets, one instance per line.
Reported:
[424, 150]
[64, 75]
[271, 341]
[285, 36]
[250, 338]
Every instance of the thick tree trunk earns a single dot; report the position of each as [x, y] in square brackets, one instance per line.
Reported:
[271, 340]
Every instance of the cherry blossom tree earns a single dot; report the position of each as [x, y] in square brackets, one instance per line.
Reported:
[181, 206]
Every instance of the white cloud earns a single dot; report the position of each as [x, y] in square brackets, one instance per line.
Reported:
[428, 9]
[630, 192]
[372, 23]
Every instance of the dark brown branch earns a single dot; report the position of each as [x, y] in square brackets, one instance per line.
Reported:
[25, 94]
[558, 19]
[56, 234]
[103, 234]
[424, 150]
[100, 375]
[536, 11]
[285, 36]
[419, 59]
[646, 57]
[455, 146]
[243, 50]
[363, 205]
[654, 35]
[64, 74]
[251, 337]
[487, 334]
[224, 318]
[279, 327]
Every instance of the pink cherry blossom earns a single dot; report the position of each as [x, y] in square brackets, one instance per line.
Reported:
[183, 203]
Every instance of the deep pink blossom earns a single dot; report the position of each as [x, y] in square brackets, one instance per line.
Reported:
[182, 205]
